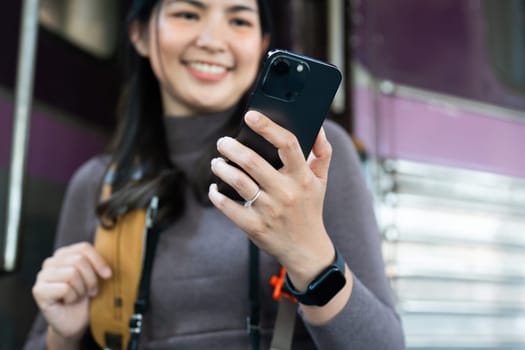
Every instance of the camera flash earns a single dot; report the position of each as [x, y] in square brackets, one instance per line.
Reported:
[300, 68]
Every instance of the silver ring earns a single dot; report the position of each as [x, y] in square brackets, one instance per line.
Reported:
[249, 202]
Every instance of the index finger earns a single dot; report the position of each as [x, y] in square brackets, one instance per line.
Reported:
[90, 253]
[285, 141]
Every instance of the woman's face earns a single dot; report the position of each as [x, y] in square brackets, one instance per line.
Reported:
[205, 53]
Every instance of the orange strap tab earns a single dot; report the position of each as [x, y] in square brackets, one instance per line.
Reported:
[277, 282]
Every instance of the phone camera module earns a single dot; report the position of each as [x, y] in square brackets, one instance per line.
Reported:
[285, 78]
[281, 66]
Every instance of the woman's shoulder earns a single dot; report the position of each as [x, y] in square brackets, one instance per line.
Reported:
[345, 166]
[340, 140]
[90, 173]
[334, 129]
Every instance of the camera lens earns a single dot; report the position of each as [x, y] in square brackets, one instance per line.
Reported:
[281, 66]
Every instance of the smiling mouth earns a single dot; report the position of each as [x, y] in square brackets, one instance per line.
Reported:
[208, 68]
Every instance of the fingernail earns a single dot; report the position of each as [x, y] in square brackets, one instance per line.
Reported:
[219, 141]
[106, 272]
[213, 193]
[216, 161]
[93, 292]
[323, 134]
[252, 117]
[214, 190]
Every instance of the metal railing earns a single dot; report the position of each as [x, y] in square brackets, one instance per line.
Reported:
[22, 115]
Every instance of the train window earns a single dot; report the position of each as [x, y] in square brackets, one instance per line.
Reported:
[505, 30]
[88, 24]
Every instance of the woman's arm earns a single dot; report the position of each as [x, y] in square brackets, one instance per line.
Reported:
[77, 223]
[368, 320]
[292, 221]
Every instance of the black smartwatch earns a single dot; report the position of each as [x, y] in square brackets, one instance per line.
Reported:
[324, 287]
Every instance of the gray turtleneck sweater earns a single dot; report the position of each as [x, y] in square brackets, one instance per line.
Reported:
[199, 285]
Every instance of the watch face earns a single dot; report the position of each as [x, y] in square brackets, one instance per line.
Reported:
[327, 286]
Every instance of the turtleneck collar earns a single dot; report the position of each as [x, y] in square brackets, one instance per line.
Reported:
[189, 137]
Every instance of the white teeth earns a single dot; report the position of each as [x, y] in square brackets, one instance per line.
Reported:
[207, 68]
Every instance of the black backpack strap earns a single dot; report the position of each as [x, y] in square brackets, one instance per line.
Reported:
[253, 291]
[151, 238]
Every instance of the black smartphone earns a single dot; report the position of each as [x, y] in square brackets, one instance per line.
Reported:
[296, 92]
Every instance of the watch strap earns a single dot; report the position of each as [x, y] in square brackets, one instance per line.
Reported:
[314, 293]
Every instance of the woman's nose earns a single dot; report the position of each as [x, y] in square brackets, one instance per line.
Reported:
[212, 37]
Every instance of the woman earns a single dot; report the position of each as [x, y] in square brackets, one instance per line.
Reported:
[193, 63]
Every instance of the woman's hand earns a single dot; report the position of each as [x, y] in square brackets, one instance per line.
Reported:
[286, 220]
[63, 288]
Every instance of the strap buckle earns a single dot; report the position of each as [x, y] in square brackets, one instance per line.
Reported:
[135, 323]
[251, 327]
[278, 284]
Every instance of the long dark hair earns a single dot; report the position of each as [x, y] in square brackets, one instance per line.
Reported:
[140, 163]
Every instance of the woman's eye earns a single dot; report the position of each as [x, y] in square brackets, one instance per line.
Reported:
[241, 22]
[186, 15]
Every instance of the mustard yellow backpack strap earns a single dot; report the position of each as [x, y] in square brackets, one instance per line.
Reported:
[122, 247]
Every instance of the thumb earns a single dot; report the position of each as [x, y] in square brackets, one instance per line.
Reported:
[319, 159]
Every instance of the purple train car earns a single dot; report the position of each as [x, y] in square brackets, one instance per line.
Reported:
[439, 101]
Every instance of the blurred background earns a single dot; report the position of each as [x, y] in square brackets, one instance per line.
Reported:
[433, 96]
